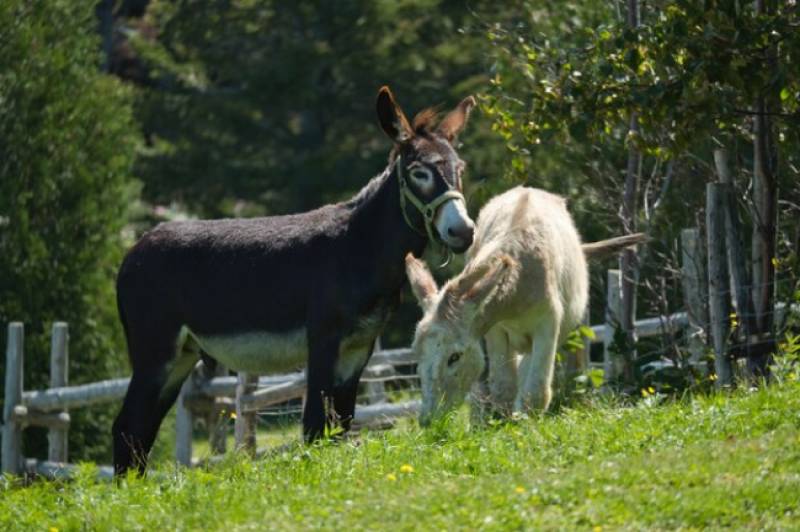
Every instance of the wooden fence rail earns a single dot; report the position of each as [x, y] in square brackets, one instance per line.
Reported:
[244, 395]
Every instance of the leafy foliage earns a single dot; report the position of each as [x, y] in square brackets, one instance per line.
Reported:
[567, 76]
[692, 69]
[67, 139]
[268, 107]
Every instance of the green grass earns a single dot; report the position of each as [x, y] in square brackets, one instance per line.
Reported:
[710, 462]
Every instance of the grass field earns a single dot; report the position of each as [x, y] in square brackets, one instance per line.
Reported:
[709, 462]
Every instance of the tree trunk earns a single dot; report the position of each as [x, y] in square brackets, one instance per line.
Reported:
[764, 210]
[104, 10]
[737, 261]
[628, 260]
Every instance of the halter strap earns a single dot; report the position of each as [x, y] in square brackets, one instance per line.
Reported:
[428, 210]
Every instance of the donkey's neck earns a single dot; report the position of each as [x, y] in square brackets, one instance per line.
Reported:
[378, 222]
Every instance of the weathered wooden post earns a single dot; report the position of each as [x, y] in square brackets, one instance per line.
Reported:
[572, 363]
[585, 356]
[612, 362]
[217, 419]
[376, 389]
[245, 426]
[694, 281]
[718, 292]
[59, 376]
[184, 422]
[735, 246]
[12, 426]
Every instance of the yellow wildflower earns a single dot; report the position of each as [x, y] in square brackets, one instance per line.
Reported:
[406, 468]
[233, 415]
[597, 528]
[391, 477]
[519, 489]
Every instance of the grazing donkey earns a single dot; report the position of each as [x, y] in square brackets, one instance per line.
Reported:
[524, 288]
[279, 293]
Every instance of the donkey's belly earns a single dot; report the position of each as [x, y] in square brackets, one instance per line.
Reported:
[259, 351]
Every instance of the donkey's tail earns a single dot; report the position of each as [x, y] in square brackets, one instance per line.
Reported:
[613, 245]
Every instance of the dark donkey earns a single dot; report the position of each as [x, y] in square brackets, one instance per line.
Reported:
[273, 294]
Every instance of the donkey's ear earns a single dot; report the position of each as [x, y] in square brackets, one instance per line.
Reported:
[478, 284]
[393, 121]
[422, 283]
[456, 119]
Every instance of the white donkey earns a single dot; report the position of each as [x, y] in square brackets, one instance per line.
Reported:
[524, 288]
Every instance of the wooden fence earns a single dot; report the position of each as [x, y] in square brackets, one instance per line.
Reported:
[216, 397]
[213, 398]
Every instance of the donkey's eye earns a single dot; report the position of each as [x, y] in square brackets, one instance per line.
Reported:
[453, 359]
[420, 174]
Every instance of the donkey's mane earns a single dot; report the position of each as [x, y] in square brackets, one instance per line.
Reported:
[423, 125]
[425, 121]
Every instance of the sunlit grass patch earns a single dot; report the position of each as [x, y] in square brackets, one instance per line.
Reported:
[717, 461]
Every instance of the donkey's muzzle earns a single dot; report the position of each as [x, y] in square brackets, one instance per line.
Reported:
[459, 240]
[454, 227]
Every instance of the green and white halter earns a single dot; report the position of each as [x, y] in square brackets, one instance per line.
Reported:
[428, 210]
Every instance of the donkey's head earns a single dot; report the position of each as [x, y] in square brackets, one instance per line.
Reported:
[447, 339]
[429, 170]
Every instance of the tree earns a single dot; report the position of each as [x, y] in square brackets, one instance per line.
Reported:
[690, 73]
[630, 201]
[67, 138]
[268, 107]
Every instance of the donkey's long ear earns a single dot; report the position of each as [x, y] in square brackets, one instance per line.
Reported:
[456, 119]
[393, 121]
[480, 283]
[422, 282]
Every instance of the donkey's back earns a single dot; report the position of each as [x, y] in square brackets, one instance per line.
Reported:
[534, 228]
[232, 275]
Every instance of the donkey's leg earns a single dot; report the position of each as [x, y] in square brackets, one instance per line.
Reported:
[323, 351]
[494, 397]
[345, 389]
[151, 392]
[344, 400]
[536, 373]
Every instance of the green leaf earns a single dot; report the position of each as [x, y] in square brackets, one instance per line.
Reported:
[587, 332]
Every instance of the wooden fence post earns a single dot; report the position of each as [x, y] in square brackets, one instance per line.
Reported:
[376, 389]
[694, 280]
[184, 422]
[585, 356]
[217, 420]
[12, 427]
[718, 292]
[245, 426]
[735, 246]
[59, 376]
[573, 363]
[612, 362]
